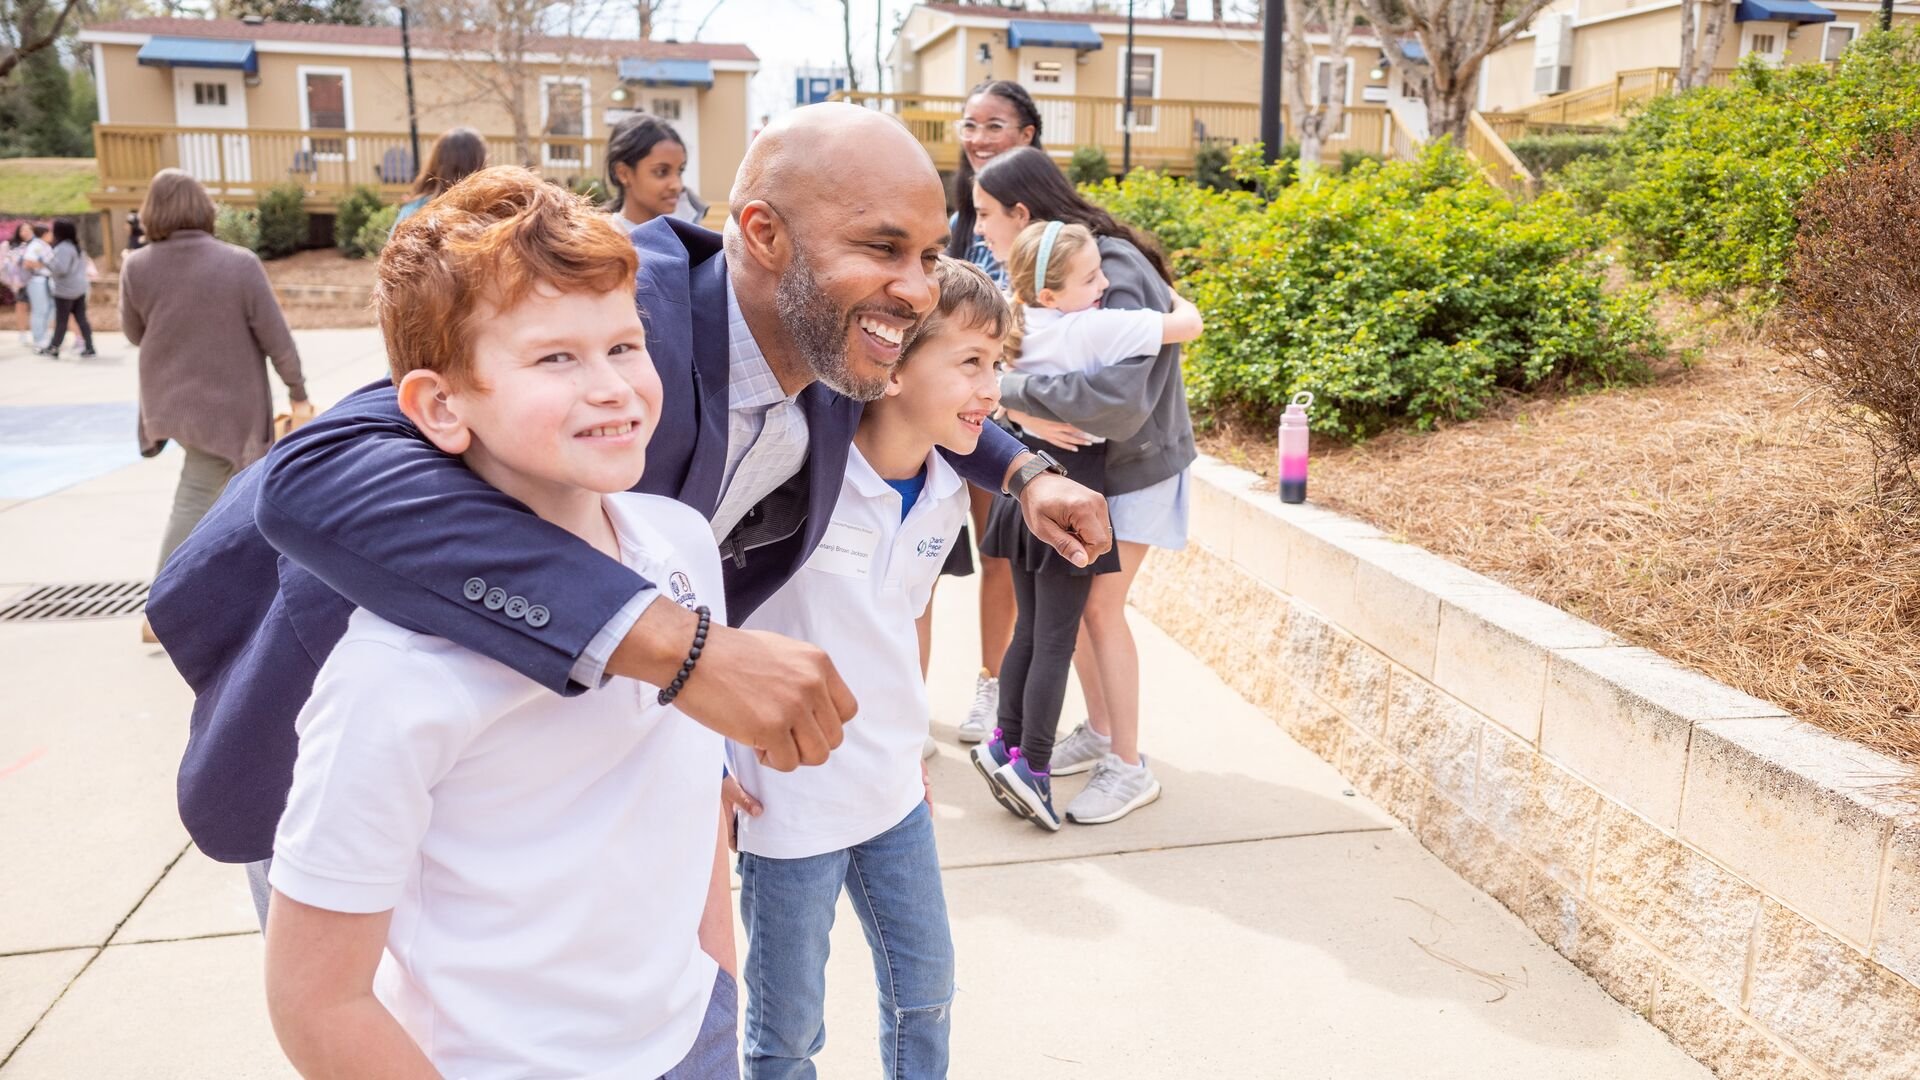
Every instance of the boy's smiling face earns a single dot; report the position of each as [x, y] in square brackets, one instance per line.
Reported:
[949, 386]
[563, 396]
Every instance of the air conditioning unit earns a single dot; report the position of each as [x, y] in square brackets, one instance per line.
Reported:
[1553, 54]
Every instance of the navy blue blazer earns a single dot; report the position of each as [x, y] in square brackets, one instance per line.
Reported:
[356, 508]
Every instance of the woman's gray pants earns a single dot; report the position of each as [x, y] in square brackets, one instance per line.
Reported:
[202, 479]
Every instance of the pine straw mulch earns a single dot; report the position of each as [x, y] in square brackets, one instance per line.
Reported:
[1718, 515]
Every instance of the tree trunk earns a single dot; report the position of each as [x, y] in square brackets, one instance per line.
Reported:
[846, 31]
[646, 20]
[1449, 108]
[30, 42]
[879, 68]
[1713, 30]
[1683, 80]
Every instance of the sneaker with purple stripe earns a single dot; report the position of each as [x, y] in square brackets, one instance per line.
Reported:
[988, 757]
[1032, 790]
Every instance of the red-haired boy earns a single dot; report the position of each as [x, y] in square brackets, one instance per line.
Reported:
[474, 876]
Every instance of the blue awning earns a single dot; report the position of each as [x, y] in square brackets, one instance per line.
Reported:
[1022, 33]
[201, 53]
[667, 72]
[1413, 49]
[1786, 11]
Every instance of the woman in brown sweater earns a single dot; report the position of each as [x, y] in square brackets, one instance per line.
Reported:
[205, 319]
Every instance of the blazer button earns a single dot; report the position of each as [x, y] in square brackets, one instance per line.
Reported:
[516, 607]
[537, 616]
[496, 599]
[475, 588]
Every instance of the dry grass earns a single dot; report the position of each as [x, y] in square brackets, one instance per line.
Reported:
[1720, 516]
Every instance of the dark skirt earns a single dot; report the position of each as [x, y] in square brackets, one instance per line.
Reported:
[960, 555]
[1007, 535]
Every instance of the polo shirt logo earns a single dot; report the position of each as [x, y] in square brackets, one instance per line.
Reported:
[681, 589]
[931, 547]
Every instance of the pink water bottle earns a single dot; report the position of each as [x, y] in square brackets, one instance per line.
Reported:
[1293, 449]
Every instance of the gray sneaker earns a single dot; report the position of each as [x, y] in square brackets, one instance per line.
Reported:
[1080, 750]
[1116, 790]
[986, 705]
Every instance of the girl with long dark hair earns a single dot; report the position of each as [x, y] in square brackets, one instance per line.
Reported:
[455, 155]
[1139, 406]
[68, 268]
[646, 160]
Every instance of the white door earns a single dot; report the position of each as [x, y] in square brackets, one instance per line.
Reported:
[1049, 73]
[679, 106]
[205, 98]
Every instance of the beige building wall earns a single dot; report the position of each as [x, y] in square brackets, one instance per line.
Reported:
[1651, 38]
[444, 98]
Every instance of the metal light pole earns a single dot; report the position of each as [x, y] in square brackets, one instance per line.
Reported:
[406, 62]
[1126, 110]
[1272, 32]
[1886, 14]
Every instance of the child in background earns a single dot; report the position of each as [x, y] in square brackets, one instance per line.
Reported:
[475, 877]
[1056, 283]
[860, 822]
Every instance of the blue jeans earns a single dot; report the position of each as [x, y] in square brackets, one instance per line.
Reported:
[893, 881]
[40, 310]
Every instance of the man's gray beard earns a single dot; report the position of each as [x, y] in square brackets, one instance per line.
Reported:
[818, 330]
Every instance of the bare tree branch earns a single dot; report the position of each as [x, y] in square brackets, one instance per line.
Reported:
[1457, 36]
[21, 21]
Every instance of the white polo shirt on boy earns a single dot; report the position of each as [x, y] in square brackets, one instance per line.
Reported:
[546, 859]
[857, 598]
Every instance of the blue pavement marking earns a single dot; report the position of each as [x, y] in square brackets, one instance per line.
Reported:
[44, 448]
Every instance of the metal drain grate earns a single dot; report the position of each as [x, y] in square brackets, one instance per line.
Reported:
[94, 600]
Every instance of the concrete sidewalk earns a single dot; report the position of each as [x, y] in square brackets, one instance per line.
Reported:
[1260, 920]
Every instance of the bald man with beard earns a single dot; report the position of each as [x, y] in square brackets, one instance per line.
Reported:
[767, 341]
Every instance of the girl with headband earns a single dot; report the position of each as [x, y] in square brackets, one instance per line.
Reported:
[1059, 328]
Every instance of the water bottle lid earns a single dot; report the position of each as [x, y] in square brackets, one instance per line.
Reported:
[1298, 406]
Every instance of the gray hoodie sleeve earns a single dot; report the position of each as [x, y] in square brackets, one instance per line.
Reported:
[1117, 401]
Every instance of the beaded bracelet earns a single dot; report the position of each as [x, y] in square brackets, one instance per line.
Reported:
[672, 689]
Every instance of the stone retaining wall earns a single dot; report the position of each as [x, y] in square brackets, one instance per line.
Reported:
[1723, 869]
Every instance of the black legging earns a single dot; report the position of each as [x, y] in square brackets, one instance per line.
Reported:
[1033, 677]
[77, 307]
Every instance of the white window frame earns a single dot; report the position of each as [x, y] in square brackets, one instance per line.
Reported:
[1346, 118]
[1773, 30]
[1824, 27]
[585, 161]
[1159, 74]
[306, 118]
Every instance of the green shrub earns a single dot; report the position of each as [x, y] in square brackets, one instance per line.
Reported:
[1408, 291]
[591, 188]
[1210, 163]
[372, 239]
[1547, 154]
[1353, 159]
[237, 226]
[283, 221]
[1089, 165]
[350, 216]
[1704, 184]
[1182, 215]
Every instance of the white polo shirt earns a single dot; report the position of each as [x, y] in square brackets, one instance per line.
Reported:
[857, 598]
[546, 859]
[1081, 342]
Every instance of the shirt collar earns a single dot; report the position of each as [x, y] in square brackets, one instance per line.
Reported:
[750, 380]
[942, 481]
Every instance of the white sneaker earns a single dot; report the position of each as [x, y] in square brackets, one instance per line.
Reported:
[1080, 750]
[986, 705]
[1116, 790]
[931, 748]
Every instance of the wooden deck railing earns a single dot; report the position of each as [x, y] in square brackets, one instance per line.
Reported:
[1166, 131]
[241, 163]
[1497, 160]
[1609, 101]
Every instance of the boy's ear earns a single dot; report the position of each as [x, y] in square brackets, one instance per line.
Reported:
[894, 385]
[427, 399]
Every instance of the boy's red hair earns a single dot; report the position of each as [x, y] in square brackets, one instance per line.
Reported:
[492, 238]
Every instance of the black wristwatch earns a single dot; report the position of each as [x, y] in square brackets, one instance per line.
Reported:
[1041, 462]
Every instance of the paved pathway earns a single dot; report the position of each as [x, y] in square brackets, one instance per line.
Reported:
[1259, 921]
